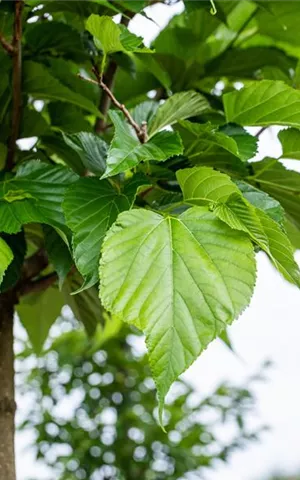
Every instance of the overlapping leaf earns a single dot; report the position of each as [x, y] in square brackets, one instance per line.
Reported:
[91, 149]
[126, 151]
[90, 207]
[170, 278]
[206, 146]
[281, 183]
[204, 184]
[35, 194]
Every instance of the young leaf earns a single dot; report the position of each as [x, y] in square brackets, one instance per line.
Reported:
[91, 206]
[126, 151]
[202, 185]
[91, 149]
[35, 194]
[290, 142]
[170, 278]
[6, 257]
[86, 305]
[37, 313]
[111, 38]
[262, 103]
[178, 107]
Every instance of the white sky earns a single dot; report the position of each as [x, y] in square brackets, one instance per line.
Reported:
[268, 330]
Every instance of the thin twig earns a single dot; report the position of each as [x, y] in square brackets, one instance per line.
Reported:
[140, 131]
[17, 83]
[6, 45]
[105, 100]
[260, 131]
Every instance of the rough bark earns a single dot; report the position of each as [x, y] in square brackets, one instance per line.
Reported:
[7, 397]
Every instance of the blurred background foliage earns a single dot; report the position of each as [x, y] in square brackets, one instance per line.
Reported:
[93, 410]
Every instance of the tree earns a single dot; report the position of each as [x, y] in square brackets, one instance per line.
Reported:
[174, 215]
[113, 431]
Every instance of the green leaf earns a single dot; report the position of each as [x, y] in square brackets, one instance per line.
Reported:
[91, 149]
[161, 274]
[281, 183]
[86, 305]
[246, 143]
[106, 33]
[17, 244]
[178, 107]
[263, 103]
[91, 206]
[41, 84]
[126, 151]
[6, 257]
[57, 149]
[202, 185]
[54, 37]
[68, 118]
[262, 200]
[280, 248]
[144, 112]
[206, 146]
[38, 312]
[290, 142]
[35, 194]
[58, 253]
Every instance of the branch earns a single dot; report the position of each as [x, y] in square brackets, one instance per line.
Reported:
[39, 285]
[6, 45]
[140, 131]
[35, 264]
[16, 83]
[260, 131]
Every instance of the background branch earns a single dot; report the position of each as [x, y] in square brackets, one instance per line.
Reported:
[16, 83]
[6, 45]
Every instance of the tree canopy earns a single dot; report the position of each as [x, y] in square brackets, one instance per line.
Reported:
[135, 197]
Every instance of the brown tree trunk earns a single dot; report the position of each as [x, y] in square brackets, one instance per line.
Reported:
[7, 391]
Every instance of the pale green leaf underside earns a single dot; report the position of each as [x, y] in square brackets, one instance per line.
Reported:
[38, 313]
[266, 102]
[91, 206]
[180, 106]
[6, 257]
[126, 151]
[180, 280]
